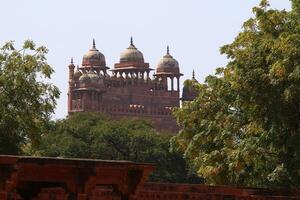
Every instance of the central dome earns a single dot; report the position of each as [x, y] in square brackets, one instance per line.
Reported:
[93, 58]
[131, 54]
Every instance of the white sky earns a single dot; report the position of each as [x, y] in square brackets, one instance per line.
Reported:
[194, 29]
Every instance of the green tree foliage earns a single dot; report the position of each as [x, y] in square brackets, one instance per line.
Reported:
[244, 127]
[26, 102]
[91, 135]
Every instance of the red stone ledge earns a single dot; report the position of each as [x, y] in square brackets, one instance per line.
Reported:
[41, 178]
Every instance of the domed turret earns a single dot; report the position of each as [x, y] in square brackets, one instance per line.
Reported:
[189, 91]
[131, 54]
[71, 65]
[101, 76]
[168, 65]
[93, 58]
[77, 73]
[93, 76]
[85, 78]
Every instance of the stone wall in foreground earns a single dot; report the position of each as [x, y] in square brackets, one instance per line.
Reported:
[160, 191]
[32, 178]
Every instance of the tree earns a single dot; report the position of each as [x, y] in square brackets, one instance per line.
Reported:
[26, 102]
[244, 126]
[92, 135]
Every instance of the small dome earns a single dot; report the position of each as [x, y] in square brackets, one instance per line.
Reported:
[94, 58]
[93, 76]
[168, 64]
[85, 78]
[189, 91]
[131, 54]
[77, 74]
[101, 76]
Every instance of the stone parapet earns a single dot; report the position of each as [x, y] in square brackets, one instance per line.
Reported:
[33, 178]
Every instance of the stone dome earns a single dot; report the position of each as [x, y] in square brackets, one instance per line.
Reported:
[77, 74]
[131, 54]
[85, 78]
[93, 58]
[93, 76]
[101, 76]
[168, 64]
[189, 91]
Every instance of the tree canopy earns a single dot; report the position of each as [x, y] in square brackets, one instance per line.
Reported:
[244, 126]
[26, 100]
[92, 135]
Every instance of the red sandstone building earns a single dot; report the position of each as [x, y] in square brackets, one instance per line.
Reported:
[30, 178]
[127, 89]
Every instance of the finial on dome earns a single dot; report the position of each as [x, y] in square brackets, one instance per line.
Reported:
[168, 50]
[131, 41]
[77, 67]
[71, 65]
[193, 75]
[94, 43]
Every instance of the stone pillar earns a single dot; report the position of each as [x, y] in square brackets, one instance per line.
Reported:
[126, 78]
[148, 77]
[165, 82]
[70, 106]
[137, 78]
[142, 78]
[178, 84]
[104, 75]
[71, 73]
[71, 85]
[120, 78]
[131, 77]
[117, 78]
[172, 83]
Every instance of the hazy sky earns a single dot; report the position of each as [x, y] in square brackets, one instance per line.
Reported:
[194, 29]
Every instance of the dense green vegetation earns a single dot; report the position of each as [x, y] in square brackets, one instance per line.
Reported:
[244, 127]
[26, 102]
[91, 135]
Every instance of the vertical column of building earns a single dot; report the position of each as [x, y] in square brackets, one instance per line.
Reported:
[168, 69]
[71, 85]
